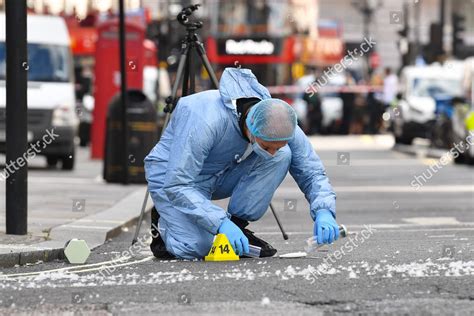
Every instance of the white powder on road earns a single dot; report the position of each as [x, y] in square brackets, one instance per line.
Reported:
[355, 270]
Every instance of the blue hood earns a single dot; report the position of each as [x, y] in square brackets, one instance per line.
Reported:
[239, 83]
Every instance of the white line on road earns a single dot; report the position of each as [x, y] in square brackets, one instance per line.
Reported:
[375, 162]
[432, 221]
[401, 229]
[467, 188]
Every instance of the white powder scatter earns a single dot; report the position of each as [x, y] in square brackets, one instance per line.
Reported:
[429, 268]
[290, 271]
[459, 268]
[308, 273]
[353, 275]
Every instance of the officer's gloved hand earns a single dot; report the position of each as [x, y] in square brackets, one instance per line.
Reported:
[325, 227]
[236, 237]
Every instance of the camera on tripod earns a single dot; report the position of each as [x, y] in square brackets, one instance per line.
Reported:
[190, 45]
[183, 16]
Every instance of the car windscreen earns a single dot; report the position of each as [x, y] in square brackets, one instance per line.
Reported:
[430, 87]
[48, 63]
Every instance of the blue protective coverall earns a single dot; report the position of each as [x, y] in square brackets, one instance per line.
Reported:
[198, 159]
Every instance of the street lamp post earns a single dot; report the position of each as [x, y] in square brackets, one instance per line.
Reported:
[367, 8]
[123, 90]
[16, 123]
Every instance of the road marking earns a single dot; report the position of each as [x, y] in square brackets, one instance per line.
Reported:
[377, 162]
[461, 188]
[116, 265]
[401, 229]
[66, 269]
[352, 142]
[432, 221]
[430, 161]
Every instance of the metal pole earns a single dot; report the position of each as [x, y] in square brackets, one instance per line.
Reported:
[123, 90]
[417, 29]
[285, 235]
[442, 20]
[16, 165]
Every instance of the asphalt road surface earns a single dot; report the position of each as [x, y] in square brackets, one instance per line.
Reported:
[410, 251]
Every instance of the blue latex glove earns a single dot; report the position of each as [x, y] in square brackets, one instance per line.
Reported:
[325, 227]
[236, 237]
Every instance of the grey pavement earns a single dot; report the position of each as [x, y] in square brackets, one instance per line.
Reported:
[410, 252]
[67, 204]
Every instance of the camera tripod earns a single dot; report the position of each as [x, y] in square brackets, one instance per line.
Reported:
[186, 75]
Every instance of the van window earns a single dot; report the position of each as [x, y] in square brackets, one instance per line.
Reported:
[430, 87]
[48, 63]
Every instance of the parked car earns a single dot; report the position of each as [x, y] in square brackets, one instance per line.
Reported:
[50, 92]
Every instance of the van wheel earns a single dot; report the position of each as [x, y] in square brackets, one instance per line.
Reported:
[400, 131]
[470, 155]
[404, 140]
[68, 162]
[52, 161]
[460, 159]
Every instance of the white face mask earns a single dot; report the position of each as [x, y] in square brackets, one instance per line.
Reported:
[260, 151]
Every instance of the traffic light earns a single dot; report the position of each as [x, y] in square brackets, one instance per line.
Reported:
[458, 29]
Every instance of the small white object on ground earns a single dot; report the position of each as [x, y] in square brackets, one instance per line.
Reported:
[76, 251]
[265, 301]
[300, 254]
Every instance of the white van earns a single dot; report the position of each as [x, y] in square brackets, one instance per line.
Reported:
[51, 100]
[415, 112]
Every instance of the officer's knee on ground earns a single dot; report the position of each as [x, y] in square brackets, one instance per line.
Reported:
[195, 248]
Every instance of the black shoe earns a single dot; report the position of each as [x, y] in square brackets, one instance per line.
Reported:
[157, 245]
[266, 249]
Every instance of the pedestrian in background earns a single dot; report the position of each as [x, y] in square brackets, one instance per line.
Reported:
[375, 107]
[315, 114]
[390, 87]
[348, 98]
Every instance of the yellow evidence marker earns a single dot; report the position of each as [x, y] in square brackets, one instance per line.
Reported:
[221, 250]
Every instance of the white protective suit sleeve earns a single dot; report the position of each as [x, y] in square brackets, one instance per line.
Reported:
[193, 138]
[309, 173]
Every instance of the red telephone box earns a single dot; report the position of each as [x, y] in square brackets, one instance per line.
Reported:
[107, 73]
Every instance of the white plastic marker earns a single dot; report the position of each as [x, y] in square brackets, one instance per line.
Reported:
[312, 245]
[293, 255]
[76, 251]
